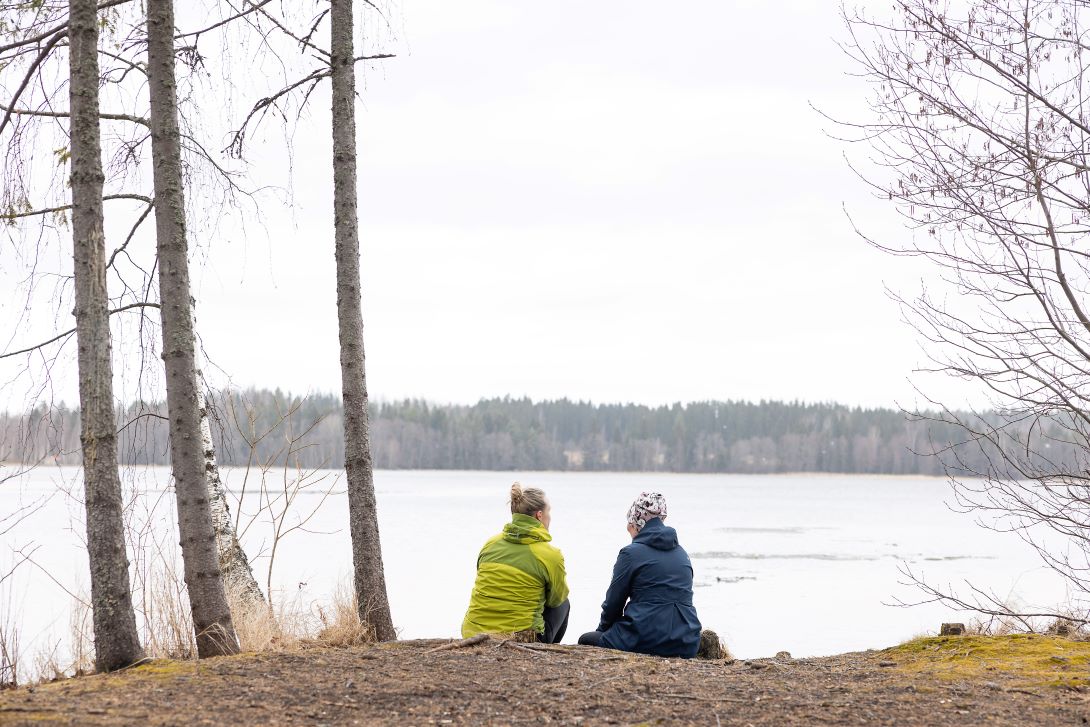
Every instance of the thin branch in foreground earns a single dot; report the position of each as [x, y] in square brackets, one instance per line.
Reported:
[71, 331]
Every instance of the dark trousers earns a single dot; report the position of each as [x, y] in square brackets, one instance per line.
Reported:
[591, 638]
[556, 623]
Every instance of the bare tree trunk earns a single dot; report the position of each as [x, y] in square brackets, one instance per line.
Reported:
[238, 576]
[117, 643]
[203, 578]
[373, 604]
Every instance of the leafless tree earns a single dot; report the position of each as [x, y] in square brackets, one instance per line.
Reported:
[116, 641]
[979, 135]
[203, 578]
[339, 62]
[40, 44]
[370, 579]
[42, 30]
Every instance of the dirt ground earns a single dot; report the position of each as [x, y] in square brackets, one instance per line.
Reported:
[501, 683]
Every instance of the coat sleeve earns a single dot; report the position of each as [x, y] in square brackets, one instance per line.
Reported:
[618, 591]
[556, 587]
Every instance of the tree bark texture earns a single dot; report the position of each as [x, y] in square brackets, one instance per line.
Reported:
[117, 642]
[212, 622]
[370, 581]
[238, 576]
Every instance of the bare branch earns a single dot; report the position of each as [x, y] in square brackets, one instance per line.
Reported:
[71, 331]
[58, 30]
[42, 54]
[64, 115]
[49, 210]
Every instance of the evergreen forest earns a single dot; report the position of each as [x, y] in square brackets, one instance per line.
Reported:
[273, 428]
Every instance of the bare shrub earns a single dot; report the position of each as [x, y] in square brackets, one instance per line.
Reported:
[976, 133]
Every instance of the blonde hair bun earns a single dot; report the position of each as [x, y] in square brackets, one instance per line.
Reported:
[527, 501]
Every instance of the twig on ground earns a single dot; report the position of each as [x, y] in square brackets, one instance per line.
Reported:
[708, 699]
[471, 641]
[542, 647]
[523, 647]
[607, 681]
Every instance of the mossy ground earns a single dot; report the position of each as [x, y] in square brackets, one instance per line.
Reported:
[1023, 660]
[165, 668]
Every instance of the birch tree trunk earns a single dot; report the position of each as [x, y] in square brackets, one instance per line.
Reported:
[117, 643]
[204, 581]
[373, 604]
[238, 576]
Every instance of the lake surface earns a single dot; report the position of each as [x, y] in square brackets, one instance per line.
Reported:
[803, 563]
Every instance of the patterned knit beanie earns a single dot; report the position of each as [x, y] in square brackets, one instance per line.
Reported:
[647, 506]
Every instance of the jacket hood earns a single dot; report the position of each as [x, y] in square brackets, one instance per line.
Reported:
[524, 530]
[657, 535]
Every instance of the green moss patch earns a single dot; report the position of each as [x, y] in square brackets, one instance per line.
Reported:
[165, 668]
[1018, 659]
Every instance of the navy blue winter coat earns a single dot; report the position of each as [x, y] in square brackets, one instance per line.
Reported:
[654, 576]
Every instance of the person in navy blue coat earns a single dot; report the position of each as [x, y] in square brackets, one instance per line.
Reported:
[649, 603]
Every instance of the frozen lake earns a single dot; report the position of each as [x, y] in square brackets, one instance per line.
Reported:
[803, 563]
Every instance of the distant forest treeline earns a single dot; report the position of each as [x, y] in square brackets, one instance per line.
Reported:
[271, 427]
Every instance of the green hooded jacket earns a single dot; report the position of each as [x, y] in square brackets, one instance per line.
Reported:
[519, 573]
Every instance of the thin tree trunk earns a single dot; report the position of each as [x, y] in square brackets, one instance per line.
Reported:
[373, 604]
[203, 578]
[117, 643]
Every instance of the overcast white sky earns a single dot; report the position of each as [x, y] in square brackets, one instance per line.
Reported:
[615, 201]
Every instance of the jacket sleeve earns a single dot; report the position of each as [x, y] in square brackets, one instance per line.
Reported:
[556, 587]
[617, 593]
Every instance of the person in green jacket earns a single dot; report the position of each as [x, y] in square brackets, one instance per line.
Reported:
[520, 583]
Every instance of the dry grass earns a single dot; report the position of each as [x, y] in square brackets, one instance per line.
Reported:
[81, 632]
[340, 621]
[167, 629]
[1068, 625]
[993, 626]
[286, 625]
[263, 628]
[168, 621]
[9, 654]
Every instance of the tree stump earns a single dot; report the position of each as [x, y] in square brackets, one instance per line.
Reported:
[952, 630]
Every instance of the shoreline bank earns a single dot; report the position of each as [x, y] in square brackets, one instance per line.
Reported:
[934, 681]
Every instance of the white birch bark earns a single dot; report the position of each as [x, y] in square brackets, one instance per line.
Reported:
[238, 575]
